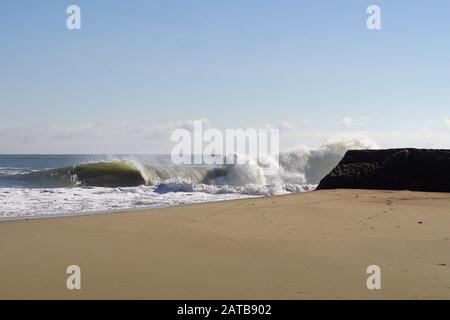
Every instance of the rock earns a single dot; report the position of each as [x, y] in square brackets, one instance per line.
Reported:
[391, 169]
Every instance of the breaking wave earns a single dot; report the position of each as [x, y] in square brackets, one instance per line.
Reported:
[299, 170]
[111, 183]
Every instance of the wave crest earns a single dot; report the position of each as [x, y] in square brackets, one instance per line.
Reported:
[298, 171]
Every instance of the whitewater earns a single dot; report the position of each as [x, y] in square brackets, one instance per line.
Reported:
[34, 186]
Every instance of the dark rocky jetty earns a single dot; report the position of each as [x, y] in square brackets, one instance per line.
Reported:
[391, 169]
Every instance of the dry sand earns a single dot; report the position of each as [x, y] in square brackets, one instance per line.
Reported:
[313, 245]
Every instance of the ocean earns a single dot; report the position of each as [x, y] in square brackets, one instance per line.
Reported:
[52, 185]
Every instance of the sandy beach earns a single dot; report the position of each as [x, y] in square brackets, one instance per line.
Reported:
[314, 245]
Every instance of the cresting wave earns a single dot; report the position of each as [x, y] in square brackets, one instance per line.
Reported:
[298, 171]
[108, 174]
[84, 184]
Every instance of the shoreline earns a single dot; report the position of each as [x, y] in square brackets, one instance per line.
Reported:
[312, 245]
[136, 210]
[125, 210]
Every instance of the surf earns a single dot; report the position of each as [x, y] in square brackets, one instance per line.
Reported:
[296, 168]
[32, 186]
[106, 174]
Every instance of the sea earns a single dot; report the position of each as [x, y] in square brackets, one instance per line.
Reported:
[33, 186]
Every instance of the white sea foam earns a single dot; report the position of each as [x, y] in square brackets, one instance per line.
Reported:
[26, 203]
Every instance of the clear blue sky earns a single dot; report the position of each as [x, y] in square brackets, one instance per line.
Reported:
[234, 62]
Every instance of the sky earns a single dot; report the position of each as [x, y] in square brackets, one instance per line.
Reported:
[139, 69]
